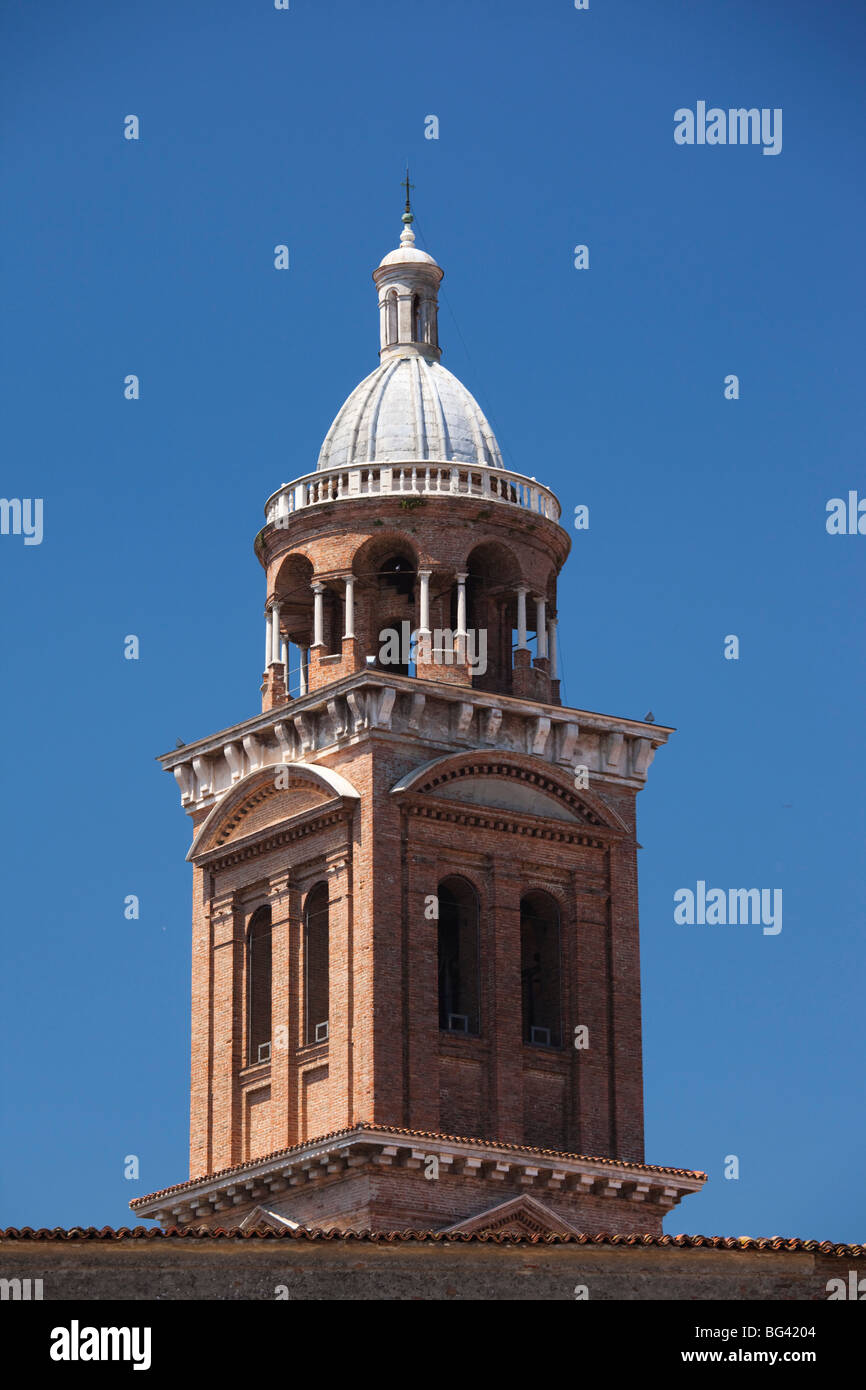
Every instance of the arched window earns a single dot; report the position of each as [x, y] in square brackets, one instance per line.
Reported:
[459, 1010]
[397, 576]
[391, 310]
[393, 612]
[259, 986]
[416, 319]
[316, 964]
[540, 970]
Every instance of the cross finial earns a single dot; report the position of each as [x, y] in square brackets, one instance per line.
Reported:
[407, 215]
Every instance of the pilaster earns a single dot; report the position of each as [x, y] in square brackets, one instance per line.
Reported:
[283, 897]
[501, 944]
[228, 1029]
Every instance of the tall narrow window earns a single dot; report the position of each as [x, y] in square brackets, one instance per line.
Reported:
[391, 309]
[259, 986]
[316, 953]
[459, 1010]
[416, 319]
[332, 621]
[540, 970]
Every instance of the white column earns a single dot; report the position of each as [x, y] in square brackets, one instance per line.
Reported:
[304, 653]
[540, 628]
[521, 617]
[284, 658]
[461, 606]
[554, 665]
[269, 641]
[350, 606]
[318, 615]
[275, 633]
[424, 626]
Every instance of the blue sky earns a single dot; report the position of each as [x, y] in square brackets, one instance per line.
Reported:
[707, 516]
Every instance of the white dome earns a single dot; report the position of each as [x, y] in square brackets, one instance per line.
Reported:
[410, 410]
[407, 255]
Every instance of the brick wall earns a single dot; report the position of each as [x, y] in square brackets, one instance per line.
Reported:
[386, 1060]
[220, 1268]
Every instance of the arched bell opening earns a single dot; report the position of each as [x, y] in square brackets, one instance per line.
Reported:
[385, 574]
[292, 621]
[493, 574]
[397, 577]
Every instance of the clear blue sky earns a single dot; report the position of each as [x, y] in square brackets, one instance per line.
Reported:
[707, 516]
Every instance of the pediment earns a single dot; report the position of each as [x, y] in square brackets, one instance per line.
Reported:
[522, 1216]
[509, 795]
[273, 796]
[266, 806]
[266, 1219]
[510, 782]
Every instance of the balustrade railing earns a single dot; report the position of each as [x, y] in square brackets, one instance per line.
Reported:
[412, 480]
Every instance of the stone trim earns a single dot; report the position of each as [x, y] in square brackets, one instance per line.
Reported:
[374, 480]
[616, 751]
[318, 1162]
[275, 837]
[511, 822]
[506, 766]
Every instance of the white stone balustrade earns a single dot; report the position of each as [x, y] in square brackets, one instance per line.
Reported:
[412, 480]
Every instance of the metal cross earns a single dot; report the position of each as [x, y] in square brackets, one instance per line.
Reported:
[407, 185]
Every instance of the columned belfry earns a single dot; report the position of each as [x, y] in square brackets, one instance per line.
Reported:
[415, 972]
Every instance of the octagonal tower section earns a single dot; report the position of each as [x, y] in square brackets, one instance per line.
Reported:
[444, 573]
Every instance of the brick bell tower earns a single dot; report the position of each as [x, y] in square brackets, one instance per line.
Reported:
[415, 966]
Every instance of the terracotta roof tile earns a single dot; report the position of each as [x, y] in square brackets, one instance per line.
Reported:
[147, 1233]
[407, 1134]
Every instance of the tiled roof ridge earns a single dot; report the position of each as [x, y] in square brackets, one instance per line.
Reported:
[110, 1233]
[363, 1125]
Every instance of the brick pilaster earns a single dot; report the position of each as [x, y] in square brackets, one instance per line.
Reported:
[340, 990]
[283, 1048]
[201, 1040]
[590, 1093]
[501, 945]
[627, 1062]
[227, 1011]
[421, 1014]
[273, 688]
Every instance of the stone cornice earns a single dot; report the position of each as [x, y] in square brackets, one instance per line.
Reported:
[477, 818]
[373, 1147]
[439, 717]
